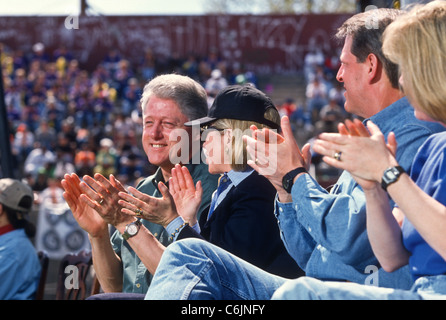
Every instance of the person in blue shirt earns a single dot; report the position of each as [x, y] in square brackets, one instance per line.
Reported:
[19, 264]
[325, 232]
[415, 40]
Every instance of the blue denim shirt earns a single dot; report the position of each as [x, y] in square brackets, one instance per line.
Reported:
[332, 242]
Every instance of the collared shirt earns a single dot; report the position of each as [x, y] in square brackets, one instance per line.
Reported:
[326, 232]
[19, 267]
[428, 172]
[136, 278]
[235, 177]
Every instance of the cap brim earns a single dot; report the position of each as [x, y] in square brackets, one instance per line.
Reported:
[201, 121]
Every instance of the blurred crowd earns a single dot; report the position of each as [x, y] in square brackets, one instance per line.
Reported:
[64, 118]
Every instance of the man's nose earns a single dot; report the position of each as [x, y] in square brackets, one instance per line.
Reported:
[339, 75]
[156, 131]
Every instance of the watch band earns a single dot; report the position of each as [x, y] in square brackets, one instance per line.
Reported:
[127, 235]
[287, 180]
[390, 176]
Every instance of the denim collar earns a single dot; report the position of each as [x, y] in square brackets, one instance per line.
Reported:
[394, 113]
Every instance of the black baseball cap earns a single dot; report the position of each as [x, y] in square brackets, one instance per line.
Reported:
[239, 102]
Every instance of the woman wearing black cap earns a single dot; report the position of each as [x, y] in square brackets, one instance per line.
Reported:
[241, 216]
[19, 264]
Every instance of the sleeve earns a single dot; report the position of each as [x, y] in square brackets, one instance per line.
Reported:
[9, 277]
[335, 220]
[181, 231]
[296, 239]
[250, 230]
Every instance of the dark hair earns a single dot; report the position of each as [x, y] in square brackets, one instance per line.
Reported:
[17, 219]
[366, 30]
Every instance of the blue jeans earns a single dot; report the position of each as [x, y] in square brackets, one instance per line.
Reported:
[305, 288]
[197, 270]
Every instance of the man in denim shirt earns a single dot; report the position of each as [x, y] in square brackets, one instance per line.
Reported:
[324, 232]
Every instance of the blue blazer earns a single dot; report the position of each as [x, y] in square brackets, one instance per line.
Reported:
[244, 224]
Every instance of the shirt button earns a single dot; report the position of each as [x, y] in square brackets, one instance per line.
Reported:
[309, 229]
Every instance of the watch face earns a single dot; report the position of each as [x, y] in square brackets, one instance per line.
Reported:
[390, 175]
[132, 229]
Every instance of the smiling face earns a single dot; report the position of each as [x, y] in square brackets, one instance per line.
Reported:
[160, 118]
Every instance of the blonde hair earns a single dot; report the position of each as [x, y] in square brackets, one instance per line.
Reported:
[417, 42]
[239, 128]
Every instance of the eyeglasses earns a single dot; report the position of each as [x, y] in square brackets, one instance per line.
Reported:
[206, 130]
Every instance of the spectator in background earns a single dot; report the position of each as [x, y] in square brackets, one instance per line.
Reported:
[106, 161]
[85, 160]
[288, 107]
[38, 159]
[316, 93]
[46, 135]
[23, 143]
[215, 84]
[19, 264]
[148, 66]
[329, 117]
[131, 97]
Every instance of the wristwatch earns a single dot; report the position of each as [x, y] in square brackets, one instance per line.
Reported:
[288, 179]
[131, 229]
[391, 175]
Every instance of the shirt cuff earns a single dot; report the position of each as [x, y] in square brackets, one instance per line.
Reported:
[282, 207]
[174, 225]
[196, 227]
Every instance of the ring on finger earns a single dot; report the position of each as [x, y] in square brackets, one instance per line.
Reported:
[139, 212]
[101, 201]
[337, 156]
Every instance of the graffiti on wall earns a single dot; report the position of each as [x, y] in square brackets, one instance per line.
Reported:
[270, 43]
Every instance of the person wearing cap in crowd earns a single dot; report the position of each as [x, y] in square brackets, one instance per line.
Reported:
[241, 217]
[19, 264]
[126, 263]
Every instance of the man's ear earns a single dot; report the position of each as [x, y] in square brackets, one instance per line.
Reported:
[375, 68]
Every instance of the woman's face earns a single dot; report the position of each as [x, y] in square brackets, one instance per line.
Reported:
[216, 148]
